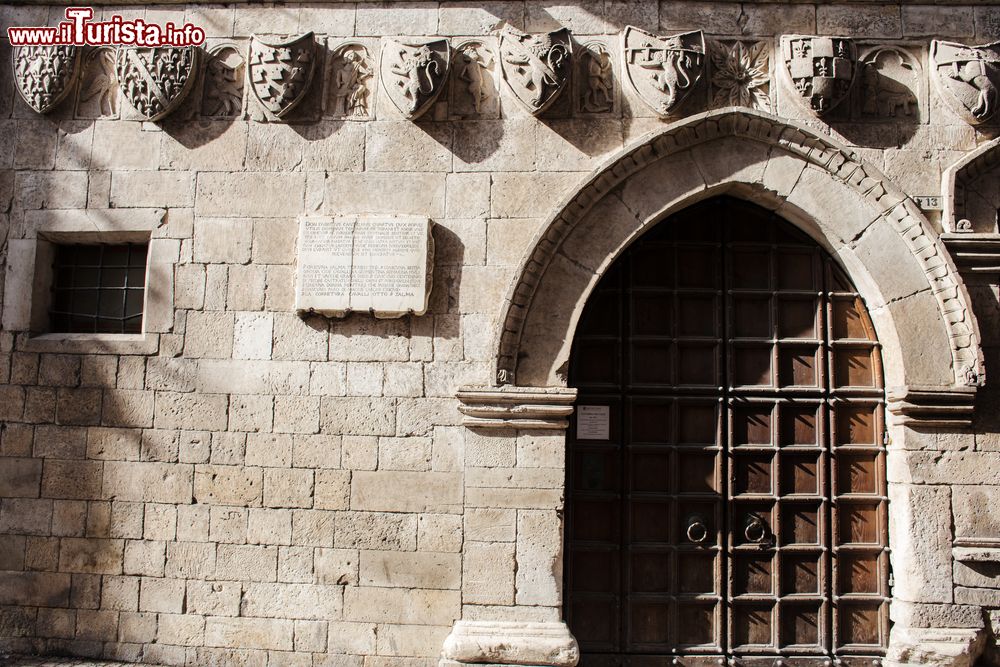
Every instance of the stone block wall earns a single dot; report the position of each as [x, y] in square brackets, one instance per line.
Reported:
[242, 485]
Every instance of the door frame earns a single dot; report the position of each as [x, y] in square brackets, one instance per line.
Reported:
[932, 357]
[614, 322]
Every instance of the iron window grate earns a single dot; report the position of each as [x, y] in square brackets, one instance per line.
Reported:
[98, 288]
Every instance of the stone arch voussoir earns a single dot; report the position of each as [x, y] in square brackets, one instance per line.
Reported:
[915, 295]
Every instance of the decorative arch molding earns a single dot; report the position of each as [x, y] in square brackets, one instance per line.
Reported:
[956, 183]
[918, 301]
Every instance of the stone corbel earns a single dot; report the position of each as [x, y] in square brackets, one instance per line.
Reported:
[949, 407]
[515, 408]
[509, 643]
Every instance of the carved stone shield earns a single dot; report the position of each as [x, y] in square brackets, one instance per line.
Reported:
[820, 70]
[281, 71]
[44, 74]
[536, 67]
[663, 70]
[156, 80]
[967, 78]
[413, 73]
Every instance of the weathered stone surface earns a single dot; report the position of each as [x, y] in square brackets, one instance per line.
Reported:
[376, 530]
[944, 646]
[922, 530]
[400, 605]
[512, 643]
[411, 492]
[265, 195]
[249, 632]
[239, 485]
[386, 193]
[292, 601]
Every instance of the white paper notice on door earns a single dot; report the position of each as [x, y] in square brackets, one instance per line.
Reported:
[593, 422]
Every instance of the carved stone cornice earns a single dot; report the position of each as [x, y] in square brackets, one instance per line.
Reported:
[973, 252]
[950, 407]
[976, 549]
[510, 643]
[510, 407]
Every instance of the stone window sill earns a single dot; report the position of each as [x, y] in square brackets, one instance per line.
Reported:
[88, 343]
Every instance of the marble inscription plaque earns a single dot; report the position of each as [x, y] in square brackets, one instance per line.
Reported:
[379, 264]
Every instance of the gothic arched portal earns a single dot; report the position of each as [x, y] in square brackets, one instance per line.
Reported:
[726, 490]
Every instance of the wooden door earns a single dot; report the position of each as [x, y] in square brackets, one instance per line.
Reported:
[726, 468]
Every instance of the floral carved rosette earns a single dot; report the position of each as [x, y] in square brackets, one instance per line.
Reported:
[156, 80]
[44, 74]
[740, 75]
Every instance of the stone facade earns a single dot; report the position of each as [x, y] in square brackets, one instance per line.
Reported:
[245, 484]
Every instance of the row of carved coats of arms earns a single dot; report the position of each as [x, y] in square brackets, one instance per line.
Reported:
[661, 70]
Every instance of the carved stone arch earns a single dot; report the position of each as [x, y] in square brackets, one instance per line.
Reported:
[971, 193]
[916, 297]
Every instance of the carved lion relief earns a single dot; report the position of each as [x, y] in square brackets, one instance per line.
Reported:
[413, 73]
[663, 71]
[967, 78]
[44, 75]
[537, 68]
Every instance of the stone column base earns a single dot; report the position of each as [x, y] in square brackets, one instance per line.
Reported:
[940, 647]
[509, 643]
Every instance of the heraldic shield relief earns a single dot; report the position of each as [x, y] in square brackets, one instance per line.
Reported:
[819, 69]
[663, 70]
[536, 67]
[967, 78]
[44, 74]
[156, 80]
[413, 73]
[280, 72]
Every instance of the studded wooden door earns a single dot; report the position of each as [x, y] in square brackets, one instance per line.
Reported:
[726, 471]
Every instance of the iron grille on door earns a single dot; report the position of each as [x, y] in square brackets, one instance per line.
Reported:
[738, 508]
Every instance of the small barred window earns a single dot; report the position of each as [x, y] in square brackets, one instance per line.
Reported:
[98, 288]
